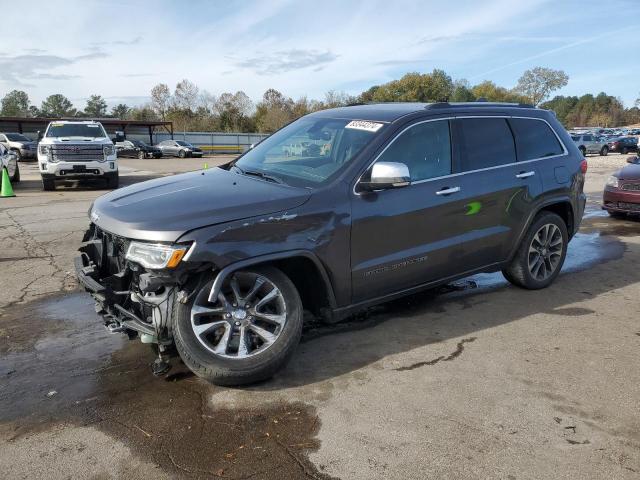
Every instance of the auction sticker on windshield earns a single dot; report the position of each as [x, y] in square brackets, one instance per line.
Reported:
[362, 125]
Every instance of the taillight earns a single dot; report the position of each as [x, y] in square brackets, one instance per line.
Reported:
[583, 166]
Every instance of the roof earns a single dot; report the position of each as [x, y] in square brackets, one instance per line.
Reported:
[104, 121]
[389, 112]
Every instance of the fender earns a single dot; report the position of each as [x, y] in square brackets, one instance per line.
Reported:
[226, 271]
[534, 212]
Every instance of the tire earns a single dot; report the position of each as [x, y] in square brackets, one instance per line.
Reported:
[18, 155]
[113, 180]
[182, 154]
[583, 151]
[521, 272]
[141, 155]
[604, 151]
[624, 150]
[48, 184]
[614, 214]
[229, 367]
[16, 175]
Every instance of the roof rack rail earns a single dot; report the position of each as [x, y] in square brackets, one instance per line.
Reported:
[482, 103]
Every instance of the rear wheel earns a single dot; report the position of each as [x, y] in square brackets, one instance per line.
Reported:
[18, 155]
[624, 150]
[541, 254]
[247, 334]
[583, 150]
[604, 151]
[141, 155]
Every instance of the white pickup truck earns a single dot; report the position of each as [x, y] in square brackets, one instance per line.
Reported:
[76, 150]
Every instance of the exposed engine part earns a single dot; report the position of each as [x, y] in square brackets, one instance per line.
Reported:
[146, 338]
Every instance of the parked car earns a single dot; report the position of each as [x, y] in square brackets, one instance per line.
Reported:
[73, 149]
[623, 145]
[24, 147]
[9, 160]
[137, 149]
[179, 148]
[622, 190]
[590, 143]
[223, 262]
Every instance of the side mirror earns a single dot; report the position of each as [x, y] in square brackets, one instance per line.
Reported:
[386, 175]
[633, 160]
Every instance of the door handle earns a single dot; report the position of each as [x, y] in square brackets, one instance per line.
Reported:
[448, 191]
[525, 174]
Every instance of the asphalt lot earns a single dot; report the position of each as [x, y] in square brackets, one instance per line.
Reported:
[474, 380]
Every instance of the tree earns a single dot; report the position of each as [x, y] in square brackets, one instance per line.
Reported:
[274, 111]
[233, 110]
[120, 111]
[536, 84]
[436, 86]
[493, 93]
[96, 107]
[185, 96]
[57, 106]
[15, 104]
[143, 113]
[160, 99]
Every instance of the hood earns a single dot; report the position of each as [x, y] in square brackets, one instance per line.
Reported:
[76, 141]
[630, 172]
[165, 208]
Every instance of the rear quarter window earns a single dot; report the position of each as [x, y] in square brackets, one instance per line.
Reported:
[484, 143]
[534, 139]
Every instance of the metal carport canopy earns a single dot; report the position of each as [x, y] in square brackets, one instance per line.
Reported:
[111, 125]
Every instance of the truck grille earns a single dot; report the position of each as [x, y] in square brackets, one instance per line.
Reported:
[631, 186]
[77, 153]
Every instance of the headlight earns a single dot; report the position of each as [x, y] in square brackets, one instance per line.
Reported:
[612, 182]
[44, 149]
[155, 255]
[108, 150]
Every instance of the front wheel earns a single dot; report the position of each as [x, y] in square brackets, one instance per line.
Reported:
[541, 254]
[113, 180]
[13, 170]
[182, 154]
[604, 151]
[247, 334]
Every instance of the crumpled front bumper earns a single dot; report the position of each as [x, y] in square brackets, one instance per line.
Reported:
[110, 293]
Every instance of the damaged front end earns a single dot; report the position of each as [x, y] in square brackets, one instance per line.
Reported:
[132, 299]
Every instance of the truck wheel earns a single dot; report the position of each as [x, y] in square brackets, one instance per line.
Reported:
[541, 254]
[604, 151]
[48, 184]
[583, 151]
[112, 180]
[247, 334]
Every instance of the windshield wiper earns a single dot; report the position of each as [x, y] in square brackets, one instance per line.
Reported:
[262, 175]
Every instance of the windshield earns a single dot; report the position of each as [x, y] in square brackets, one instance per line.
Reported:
[16, 137]
[309, 151]
[92, 130]
[183, 144]
[138, 143]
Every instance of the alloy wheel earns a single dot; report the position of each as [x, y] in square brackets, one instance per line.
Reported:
[247, 319]
[545, 252]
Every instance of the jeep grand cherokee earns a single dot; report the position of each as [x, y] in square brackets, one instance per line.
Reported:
[385, 200]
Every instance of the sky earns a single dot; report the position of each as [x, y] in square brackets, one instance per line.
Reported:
[121, 49]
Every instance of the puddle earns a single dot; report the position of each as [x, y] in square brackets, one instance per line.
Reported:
[77, 373]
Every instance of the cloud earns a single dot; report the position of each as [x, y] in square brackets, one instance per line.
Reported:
[136, 75]
[287, 60]
[19, 70]
[134, 41]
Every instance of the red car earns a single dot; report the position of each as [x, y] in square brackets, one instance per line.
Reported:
[622, 190]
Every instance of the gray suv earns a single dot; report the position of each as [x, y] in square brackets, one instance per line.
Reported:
[23, 147]
[590, 143]
[392, 199]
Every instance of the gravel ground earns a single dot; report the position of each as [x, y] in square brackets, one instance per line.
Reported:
[474, 380]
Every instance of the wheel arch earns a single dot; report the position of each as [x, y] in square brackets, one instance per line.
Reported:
[561, 206]
[303, 268]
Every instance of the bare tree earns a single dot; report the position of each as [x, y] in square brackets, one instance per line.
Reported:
[185, 96]
[539, 82]
[160, 99]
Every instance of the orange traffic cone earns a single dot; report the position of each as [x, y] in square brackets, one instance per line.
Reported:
[6, 190]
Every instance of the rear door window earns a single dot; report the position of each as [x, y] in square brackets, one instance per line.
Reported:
[534, 139]
[485, 143]
[425, 148]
